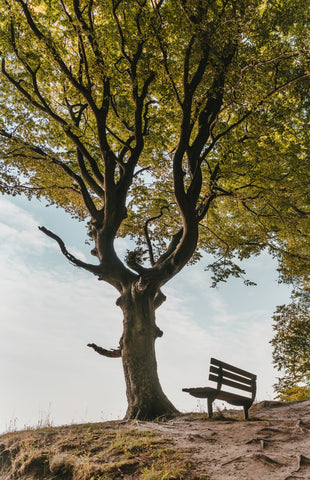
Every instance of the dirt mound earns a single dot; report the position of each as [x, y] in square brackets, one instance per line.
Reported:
[273, 445]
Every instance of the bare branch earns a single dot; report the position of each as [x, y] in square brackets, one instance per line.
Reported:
[112, 353]
[141, 170]
[87, 177]
[95, 269]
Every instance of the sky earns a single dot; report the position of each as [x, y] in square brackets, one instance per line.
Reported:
[50, 310]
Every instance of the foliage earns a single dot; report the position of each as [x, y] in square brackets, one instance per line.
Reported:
[293, 394]
[291, 349]
[198, 102]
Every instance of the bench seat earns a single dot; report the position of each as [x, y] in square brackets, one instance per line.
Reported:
[207, 392]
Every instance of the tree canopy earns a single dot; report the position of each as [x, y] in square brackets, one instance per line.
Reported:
[188, 108]
[179, 123]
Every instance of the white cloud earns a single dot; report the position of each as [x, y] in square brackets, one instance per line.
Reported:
[19, 230]
[11, 214]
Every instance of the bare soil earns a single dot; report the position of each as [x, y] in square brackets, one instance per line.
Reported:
[273, 445]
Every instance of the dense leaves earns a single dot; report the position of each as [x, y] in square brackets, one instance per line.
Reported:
[188, 109]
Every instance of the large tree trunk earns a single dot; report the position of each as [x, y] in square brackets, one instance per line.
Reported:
[146, 400]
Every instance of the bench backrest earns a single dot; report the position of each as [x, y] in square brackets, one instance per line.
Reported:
[225, 374]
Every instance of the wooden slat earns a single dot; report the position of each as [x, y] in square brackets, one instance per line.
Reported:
[206, 392]
[233, 399]
[226, 366]
[240, 386]
[232, 376]
[200, 392]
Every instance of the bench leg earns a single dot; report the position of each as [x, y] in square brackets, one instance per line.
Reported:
[246, 413]
[210, 411]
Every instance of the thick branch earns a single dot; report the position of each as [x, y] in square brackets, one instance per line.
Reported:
[87, 177]
[139, 131]
[94, 166]
[176, 238]
[139, 104]
[112, 353]
[187, 201]
[206, 202]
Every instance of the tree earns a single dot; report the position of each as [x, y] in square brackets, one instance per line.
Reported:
[291, 351]
[291, 346]
[178, 123]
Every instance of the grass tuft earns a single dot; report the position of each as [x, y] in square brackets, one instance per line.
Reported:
[101, 451]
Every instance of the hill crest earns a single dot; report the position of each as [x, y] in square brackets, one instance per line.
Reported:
[274, 444]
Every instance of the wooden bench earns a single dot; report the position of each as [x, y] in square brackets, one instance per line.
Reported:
[224, 374]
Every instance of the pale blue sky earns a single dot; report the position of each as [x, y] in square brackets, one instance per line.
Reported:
[50, 310]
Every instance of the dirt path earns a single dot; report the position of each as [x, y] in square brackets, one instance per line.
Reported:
[274, 444]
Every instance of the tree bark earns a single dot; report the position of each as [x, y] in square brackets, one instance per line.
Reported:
[146, 399]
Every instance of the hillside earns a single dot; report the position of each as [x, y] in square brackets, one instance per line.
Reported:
[274, 444]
